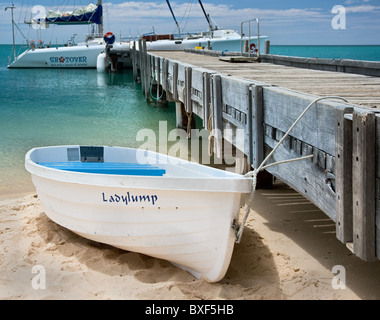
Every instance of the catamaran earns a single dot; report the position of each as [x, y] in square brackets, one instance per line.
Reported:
[216, 37]
[82, 55]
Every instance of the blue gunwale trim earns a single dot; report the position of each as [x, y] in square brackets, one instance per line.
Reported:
[113, 168]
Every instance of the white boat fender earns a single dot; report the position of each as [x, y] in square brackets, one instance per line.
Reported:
[101, 62]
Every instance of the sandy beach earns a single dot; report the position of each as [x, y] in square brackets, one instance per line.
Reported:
[288, 251]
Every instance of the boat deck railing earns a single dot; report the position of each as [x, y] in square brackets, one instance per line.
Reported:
[249, 37]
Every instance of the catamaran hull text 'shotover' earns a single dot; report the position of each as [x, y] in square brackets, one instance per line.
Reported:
[143, 202]
[64, 57]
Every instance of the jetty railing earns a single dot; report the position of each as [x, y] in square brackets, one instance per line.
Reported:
[343, 176]
[249, 36]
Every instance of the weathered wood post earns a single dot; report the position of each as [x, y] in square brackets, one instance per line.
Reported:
[148, 73]
[264, 179]
[175, 81]
[133, 59]
[188, 102]
[364, 184]
[217, 117]
[142, 63]
[377, 197]
[206, 99]
[246, 46]
[158, 78]
[343, 175]
[178, 104]
[267, 47]
[178, 114]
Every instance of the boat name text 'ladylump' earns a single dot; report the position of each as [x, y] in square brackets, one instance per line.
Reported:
[130, 199]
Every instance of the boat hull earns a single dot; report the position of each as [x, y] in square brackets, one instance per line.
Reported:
[60, 57]
[222, 44]
[184, 220]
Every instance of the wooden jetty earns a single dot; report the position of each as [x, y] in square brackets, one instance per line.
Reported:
[264, 99]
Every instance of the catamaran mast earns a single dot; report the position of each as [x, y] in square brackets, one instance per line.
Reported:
[175, 20]
[100, 26]
[13, 30]
[207, 16]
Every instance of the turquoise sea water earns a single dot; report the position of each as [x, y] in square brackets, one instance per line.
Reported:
[367, 53]
[41, 107]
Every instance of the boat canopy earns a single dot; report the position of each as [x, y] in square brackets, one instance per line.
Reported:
[85, 15]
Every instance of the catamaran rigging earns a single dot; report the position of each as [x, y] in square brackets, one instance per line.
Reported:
[12, 7]
[175, 20]
[208, 18]
[220, 39]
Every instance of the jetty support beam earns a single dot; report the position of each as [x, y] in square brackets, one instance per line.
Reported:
[364, 184]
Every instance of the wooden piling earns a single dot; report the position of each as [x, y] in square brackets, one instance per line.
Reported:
[217, 119]
[178, 114]
[148, 73]
[175, 81]
[134, 61]
[343, 176]
[364, 184]
[264, 178]
[258, 127]
[267, 47]
[188, 79]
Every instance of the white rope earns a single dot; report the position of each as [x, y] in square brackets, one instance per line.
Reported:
[253, 174]
[286, 161]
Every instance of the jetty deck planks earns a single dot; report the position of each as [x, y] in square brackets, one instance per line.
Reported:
[358, 89]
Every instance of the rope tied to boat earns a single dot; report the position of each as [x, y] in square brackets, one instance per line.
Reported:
[238, 229]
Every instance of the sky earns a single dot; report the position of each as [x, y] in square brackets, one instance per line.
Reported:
[285, 22]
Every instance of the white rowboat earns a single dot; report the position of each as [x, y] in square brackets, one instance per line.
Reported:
[143, 202]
